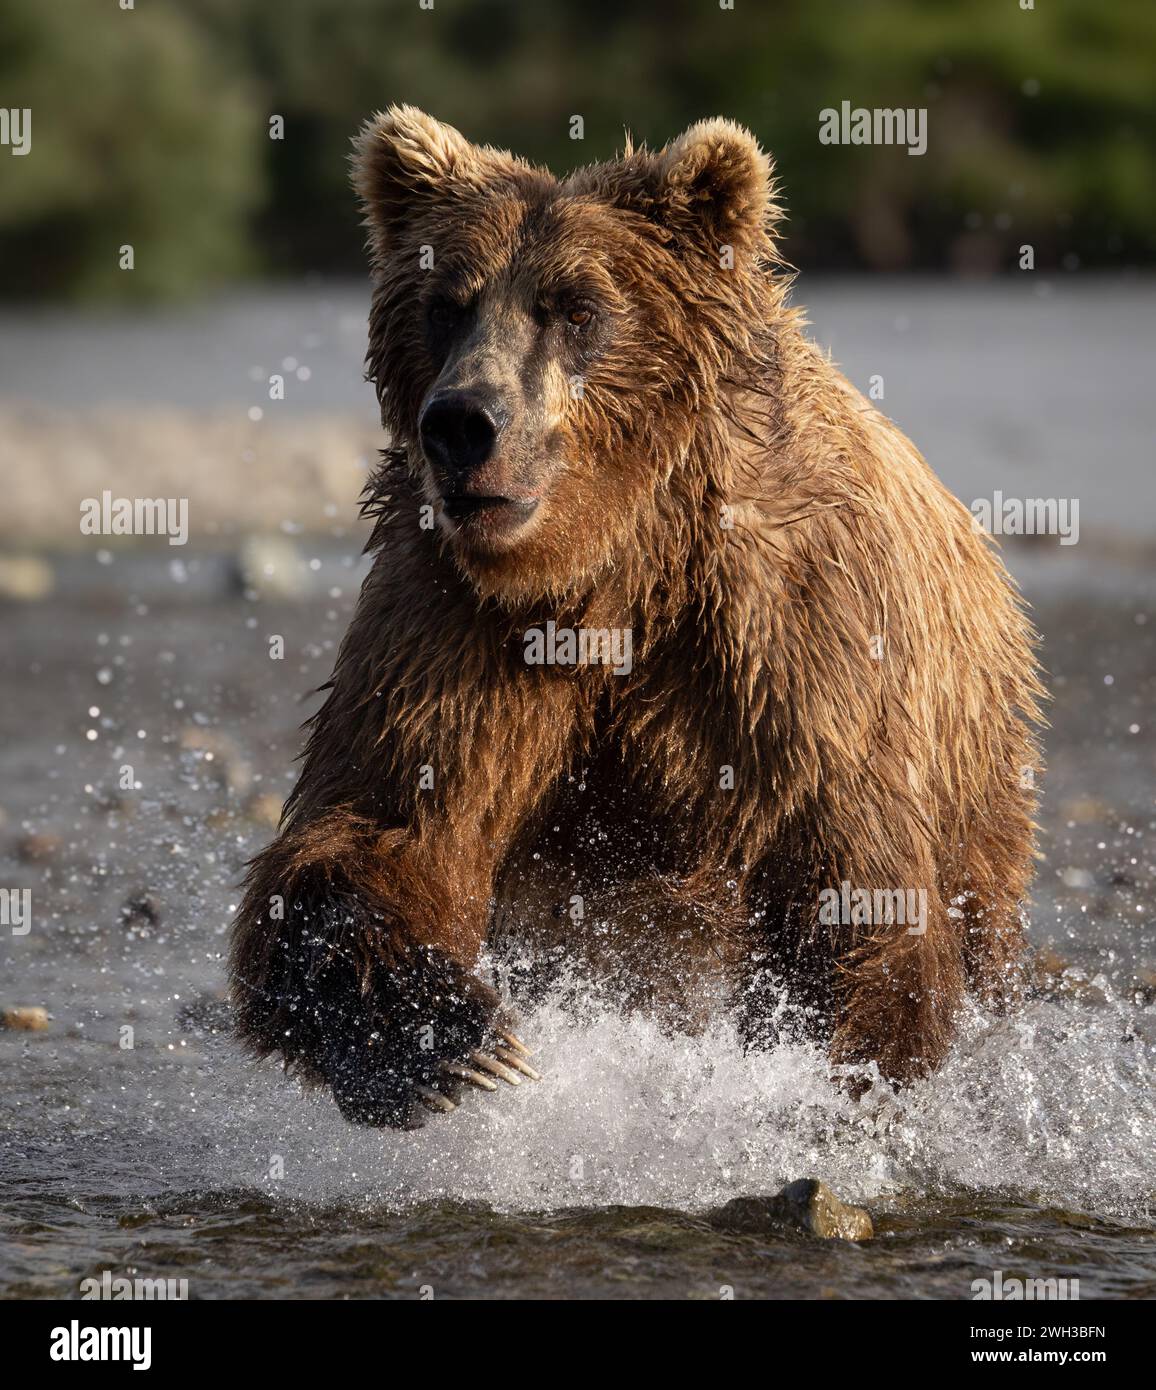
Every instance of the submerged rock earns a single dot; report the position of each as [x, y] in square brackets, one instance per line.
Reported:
[25, 1020]
[806, 1206]
[37, 846]
[141, 907]
[25, 577]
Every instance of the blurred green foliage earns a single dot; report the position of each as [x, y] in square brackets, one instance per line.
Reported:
[143, 133]
[151, 125]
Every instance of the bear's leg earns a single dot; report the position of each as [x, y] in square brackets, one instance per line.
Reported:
[354, 959]
[993, 886]
[898, 991]
[900, 986]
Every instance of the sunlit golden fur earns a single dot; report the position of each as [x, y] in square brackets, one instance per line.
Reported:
[810, 610]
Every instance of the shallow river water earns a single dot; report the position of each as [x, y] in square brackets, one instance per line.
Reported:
[1034, 1150]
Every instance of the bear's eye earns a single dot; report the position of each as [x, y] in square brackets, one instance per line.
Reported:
[578, 314]
[444, 313]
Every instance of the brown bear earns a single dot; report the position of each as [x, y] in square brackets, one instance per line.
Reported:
[675, 664]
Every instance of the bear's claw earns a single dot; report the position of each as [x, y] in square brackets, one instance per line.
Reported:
[475, 1078]
[434, 1100]
[495, 1068]
[513, 1043]
[478, 1070]
[517, 1063]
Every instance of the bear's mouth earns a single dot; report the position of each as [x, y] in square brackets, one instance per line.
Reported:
[468, 508]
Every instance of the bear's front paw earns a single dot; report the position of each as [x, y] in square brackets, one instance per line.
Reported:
[419, 1033]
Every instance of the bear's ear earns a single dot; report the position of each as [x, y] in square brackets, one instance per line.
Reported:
[712, 183]
[403, 158]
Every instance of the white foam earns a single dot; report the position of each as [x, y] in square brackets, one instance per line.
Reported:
[1054, 1103]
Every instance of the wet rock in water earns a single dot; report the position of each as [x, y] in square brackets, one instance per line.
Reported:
[37, 846]
[806, 1207]
[24, 1019]
[25, 577]
[141, 907]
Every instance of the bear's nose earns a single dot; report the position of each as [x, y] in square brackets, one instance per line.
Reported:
[459, 430]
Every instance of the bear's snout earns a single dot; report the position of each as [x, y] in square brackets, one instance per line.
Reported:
[460, 432]
[463, 435]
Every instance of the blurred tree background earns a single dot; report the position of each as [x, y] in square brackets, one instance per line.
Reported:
[150, 124]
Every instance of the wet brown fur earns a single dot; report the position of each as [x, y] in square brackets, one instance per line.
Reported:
[753, 651]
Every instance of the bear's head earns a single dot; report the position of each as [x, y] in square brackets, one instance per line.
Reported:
[547, 351]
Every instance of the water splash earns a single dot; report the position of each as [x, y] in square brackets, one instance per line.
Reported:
[1053, 1104]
